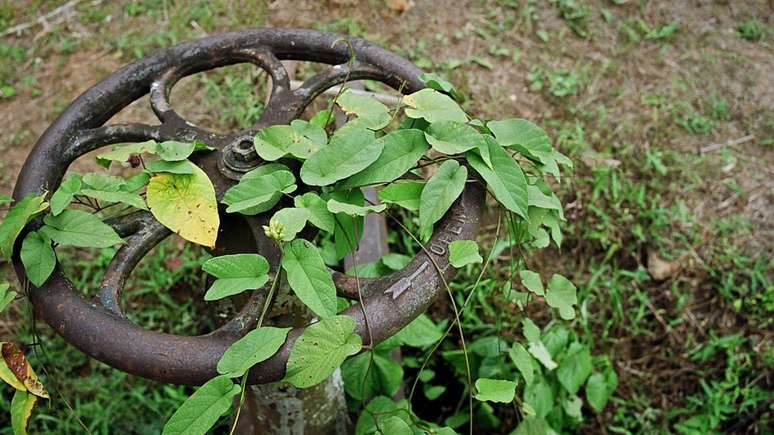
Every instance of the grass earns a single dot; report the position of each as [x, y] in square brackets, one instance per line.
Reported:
[669, 248]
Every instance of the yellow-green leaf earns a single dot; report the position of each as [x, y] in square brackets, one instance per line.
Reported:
[21, 411]
[186, 205]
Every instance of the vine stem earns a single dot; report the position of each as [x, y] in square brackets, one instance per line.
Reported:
[243, 382]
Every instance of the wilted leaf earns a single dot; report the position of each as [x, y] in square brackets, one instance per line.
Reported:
[203, 408]
[21, 411]
[320, 350]
[17, 217]
[236, 273]
[186, 205]
[309, 277]
[79, 228]
[256, 346]
[14, 362]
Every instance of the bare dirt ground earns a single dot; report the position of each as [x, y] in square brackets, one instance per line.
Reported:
[620, 100]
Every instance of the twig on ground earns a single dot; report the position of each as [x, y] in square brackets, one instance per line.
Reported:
[58, 15]
[731, 142]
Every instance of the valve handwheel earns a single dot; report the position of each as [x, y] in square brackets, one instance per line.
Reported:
[99, 327]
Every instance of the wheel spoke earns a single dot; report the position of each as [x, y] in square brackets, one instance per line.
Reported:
[148, 235]
[91, 139]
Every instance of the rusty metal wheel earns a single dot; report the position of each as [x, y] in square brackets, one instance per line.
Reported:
[99, 327]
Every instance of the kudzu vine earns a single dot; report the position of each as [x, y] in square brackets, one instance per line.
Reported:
[375, 148]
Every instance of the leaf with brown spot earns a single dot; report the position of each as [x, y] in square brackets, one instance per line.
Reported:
[17, 365]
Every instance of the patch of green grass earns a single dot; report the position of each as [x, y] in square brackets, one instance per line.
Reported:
[751, 30]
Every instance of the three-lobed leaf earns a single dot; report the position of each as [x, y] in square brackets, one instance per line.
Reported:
[256, 346]
[309, 278]
[202, 409]
[320, 350]
[235, 273]
[186, 205]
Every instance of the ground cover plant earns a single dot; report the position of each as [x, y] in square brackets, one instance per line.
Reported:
[668, 216]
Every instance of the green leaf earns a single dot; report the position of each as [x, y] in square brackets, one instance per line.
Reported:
[370, 113]
[183, 167]
[400, 152]
[309, 278]
[600, 387]
[353, 210]
[322, 118]
[98, 181]
[128, 198]
[505, 179]
[421, 332]
[394, 425]
[317, 211]
[405, 193]
[533, 426]
[433, 106]
[199, 413]
[531, 280]
[530, 330]
[536, 346]
[136, 182]
[65, 193]
[256, 346]
[79, 228]
[258, 193]
[38, 257]
[186, 205]
[311, 131]
[495, 390]
[364, 378]
[277, 141]
[539, 396]
[561, 295]
[521, 134]
[464, 252]
[523, 362]
[236, 273]
[17, 217]
[575, 367]
[434, 81]
[348, 229]
[21, 411]
[377, 411]
[5, 199]
[451, 137]
[292, 221]
[440, 192]
[174, 151]
[321, 349]
[6, 296]
[351, 149]
[122, 153]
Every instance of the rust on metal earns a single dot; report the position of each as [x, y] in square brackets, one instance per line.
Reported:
[98, 327]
